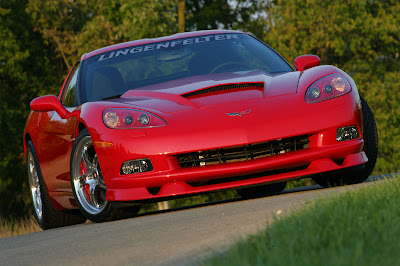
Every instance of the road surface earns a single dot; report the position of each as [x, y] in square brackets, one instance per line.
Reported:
[174, 237]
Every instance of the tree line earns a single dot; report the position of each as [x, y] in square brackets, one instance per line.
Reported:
[41, 40]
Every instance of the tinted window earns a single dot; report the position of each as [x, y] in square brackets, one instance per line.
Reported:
[114, 72]
[70, 94]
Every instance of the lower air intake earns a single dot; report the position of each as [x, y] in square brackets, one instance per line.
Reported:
[243, 153]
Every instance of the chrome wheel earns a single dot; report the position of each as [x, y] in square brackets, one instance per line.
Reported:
[35, 186]
[86, 177]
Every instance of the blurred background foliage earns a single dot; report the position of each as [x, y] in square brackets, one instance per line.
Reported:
[41, 40]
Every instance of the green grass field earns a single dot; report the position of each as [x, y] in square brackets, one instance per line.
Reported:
[359, 227]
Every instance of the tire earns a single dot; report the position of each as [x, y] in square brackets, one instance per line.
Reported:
[254, 192]
[45, 213]
[88, 185]
[360, 174]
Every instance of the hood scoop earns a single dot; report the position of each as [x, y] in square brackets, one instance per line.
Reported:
[219, 89]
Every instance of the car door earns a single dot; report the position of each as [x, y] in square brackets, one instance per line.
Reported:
[57, 136]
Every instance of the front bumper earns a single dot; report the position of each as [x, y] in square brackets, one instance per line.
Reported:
[310, 161]
[211, 128]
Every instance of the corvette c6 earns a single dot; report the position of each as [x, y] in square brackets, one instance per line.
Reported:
[157, 119]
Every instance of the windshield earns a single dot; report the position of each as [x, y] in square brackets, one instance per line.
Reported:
[113, 73]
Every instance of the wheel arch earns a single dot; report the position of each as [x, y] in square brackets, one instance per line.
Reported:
[81, 126]
[27, 138]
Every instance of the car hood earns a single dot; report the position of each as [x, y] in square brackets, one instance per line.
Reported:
[210, 90]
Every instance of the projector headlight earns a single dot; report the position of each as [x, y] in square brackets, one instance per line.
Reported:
[124, 118]
[326, 88]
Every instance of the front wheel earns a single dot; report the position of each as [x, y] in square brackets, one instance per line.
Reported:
[88, 185]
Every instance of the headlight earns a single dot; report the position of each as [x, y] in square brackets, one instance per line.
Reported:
[123, 118]
[326, 88]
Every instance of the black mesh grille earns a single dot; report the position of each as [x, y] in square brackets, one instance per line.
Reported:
[243, 153]
[223, 87]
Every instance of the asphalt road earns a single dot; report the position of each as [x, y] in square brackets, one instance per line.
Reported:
[174, 237]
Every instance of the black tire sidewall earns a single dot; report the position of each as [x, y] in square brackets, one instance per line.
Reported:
[370, 136]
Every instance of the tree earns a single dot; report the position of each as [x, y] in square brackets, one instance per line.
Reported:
[25, 72]
[74, 27]
[40, 40]
[181, 15]
[219, 14]
[362, 37]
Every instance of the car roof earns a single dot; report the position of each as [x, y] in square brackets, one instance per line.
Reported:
[160, 39]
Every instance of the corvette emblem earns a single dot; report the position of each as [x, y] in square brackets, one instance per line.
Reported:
[239, 113]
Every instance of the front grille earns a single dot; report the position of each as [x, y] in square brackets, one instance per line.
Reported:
[243, 153]
[224, 87]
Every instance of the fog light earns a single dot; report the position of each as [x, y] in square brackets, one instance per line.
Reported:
[347, 133]
[136, 166]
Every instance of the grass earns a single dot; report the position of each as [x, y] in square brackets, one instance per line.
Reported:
[359, 227]
[18, 226]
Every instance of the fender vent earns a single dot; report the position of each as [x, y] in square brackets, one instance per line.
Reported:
[236, 86]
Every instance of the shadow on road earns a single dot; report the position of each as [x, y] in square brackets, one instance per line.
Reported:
[237, 199]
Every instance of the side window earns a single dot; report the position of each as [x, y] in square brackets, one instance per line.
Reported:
[70, 93]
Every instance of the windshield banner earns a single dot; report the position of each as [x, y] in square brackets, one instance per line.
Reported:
[169, 44]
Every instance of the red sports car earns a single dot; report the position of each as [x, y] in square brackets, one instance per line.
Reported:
[191, 113]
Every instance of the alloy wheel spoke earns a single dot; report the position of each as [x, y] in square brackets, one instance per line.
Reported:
[86, 159]
[33, 173]
[93, 197]
[31, 167]
[95, 162]
[36, 179]
[83, 179]
[38, 197]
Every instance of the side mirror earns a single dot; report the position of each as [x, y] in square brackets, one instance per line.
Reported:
[48, 103]
[304, 62]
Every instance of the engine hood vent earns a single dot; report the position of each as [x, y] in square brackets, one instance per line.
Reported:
[225, 87]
